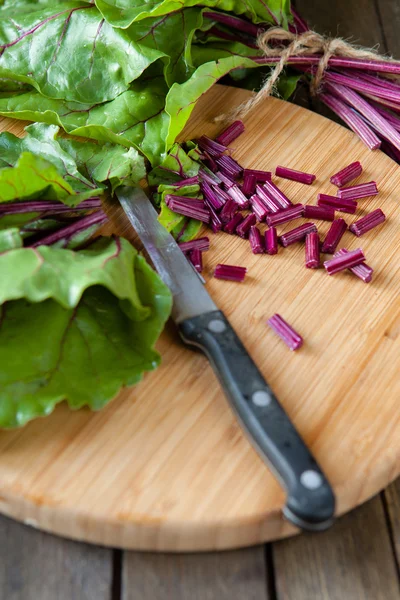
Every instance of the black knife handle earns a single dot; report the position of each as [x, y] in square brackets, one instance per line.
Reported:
[310, 502]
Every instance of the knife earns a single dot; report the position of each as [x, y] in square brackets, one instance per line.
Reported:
[310, 502]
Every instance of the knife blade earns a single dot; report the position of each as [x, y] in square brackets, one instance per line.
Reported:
[310, 501]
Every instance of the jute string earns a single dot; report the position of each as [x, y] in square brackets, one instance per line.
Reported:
[292, 44]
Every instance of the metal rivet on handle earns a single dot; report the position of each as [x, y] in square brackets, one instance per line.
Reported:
[261, 398]
[216, 326]
[311, 480]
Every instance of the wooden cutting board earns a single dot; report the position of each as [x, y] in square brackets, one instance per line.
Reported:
[165, 466]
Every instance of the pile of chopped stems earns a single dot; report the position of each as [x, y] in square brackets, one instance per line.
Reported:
[237, 200]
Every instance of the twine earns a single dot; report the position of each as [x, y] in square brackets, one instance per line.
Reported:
[277, 42]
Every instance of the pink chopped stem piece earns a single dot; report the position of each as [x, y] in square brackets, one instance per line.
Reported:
[208, 176]
[229, 166]
[202, 244]
[293, 175]
[273, 205]
[258, 207]
[283, 216]
[362, 271]
[249, 184]
[276, 194]
[230, 272]
[196, 258]
[193, 209]
[323, 213]
[355, 192]
[297, 235]
[371, 220]
[334, 235]
[237, 195]
[286, 332]
[261, 176]
[344, 261]
[230, 133]
[256, 240]
[228, 210]
[312, 250]
[352, 119]
[212, 147]
[215, 221]
[271, 241]
[243, 229]
[340, 204]
[231, 226]
[227, 181]
[214, 199]
[347, 174]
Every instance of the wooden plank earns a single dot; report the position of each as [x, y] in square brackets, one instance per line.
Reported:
[392, 495]
[353, 560]
[224, 576]
[389, 12]
[38, 566]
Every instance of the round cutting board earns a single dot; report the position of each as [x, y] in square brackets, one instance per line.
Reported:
[165, 466]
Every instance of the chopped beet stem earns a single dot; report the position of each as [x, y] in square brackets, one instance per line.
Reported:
[339, 204]
[300, 176]
[323, 213]
[238, 196]
[261, 176]
[249, 184]
[258, 207]
[286, 215]
[297, 235]
[271, 241]
[286, 332]
[230, 133]
[213, 148]
[347, 174]
[256, 240]
[243, 229]
[202, 244]
[334, 235]
[229, 209]
[276, 194]
[188, 207]
[362, 271]
[196, 258]
[355, 192]
[231, 226]
[371, 220]
[230, 272]
[271, 204]
[229, 166]
[312, 250]
[215, 200]
[344, 261]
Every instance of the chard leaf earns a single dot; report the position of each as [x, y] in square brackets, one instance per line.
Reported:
[175, 166]
[66, 50]
[32, 176]
[122, 13]
[81, 164]
[101, 341]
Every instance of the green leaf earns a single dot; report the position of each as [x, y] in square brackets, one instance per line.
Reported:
[122, 13]
[10, 239]
[287, 85]
[81, 164]
[106, 341]
[182, 98]
[32, 176]
[66, 50]
[175, 166]
[132, 119]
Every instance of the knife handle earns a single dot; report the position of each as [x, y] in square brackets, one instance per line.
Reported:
[310, 502]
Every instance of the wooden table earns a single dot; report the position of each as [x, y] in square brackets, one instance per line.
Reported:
[358, 559]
